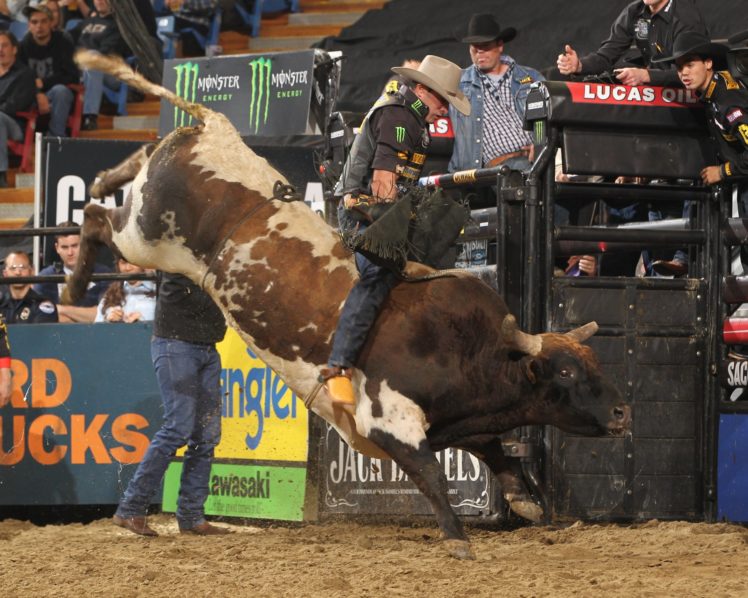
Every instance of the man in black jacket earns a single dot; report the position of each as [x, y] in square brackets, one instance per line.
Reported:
[697, 61]
[98, 32]
[652, 26]
[19, 303]
[16, 93]
[49, 54]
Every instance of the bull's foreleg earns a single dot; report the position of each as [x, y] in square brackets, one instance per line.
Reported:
[95, 232]
[108, 181]
[507, 471]
[422, 467]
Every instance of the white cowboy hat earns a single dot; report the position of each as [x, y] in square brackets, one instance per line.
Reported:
[440, 75]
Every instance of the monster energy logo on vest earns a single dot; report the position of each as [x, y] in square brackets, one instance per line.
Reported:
[400, 134]
[186, 88]
[259, 104]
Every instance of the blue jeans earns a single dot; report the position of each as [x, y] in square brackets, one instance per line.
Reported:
[60, 102]
[189, 379]
[9, 129]
[362, 304]
[93, 83]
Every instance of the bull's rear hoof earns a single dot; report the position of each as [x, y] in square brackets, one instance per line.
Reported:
[459, 549]
[527, 509]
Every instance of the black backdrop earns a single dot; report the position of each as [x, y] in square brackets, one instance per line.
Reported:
[413, 28]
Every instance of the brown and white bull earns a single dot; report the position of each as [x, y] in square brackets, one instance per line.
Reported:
[444, 365]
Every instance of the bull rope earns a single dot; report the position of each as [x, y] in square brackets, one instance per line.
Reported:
[281, 192]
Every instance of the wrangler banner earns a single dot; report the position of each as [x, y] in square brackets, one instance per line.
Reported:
[260, 466]
[265, 95]
[84, 406]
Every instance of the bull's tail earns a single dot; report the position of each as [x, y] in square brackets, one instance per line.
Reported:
[115, 66]
[96, 231]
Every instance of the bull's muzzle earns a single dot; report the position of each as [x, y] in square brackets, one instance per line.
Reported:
[620, 422]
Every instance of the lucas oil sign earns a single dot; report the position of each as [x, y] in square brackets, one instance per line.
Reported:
[263, 95]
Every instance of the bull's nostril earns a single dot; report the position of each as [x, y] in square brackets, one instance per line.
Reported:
[619, 413]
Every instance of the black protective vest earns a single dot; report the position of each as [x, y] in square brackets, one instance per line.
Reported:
[356, 176]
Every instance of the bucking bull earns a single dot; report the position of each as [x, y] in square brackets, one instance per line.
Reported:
[445, 364]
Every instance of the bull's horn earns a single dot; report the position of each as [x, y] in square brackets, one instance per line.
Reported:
[531, 344]
[582, 333]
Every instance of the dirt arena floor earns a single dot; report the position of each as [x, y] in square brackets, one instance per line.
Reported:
[345, 559]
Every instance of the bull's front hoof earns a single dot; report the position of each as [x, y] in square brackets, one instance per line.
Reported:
[459, 549]
[527, 509]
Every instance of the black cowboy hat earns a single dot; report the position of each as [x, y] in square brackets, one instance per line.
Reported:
[692, 42]
[483, 27]
[738, 37]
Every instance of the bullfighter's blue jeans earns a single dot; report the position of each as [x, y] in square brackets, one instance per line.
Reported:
[360, 310]
[188, 376]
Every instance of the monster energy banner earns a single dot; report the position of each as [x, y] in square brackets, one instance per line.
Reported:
[265, 95]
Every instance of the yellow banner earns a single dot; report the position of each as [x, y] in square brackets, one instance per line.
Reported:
[262, 418]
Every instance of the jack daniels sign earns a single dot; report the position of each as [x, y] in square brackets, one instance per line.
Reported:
[352, 483]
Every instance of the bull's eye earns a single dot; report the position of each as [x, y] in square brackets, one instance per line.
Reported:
[565, 374]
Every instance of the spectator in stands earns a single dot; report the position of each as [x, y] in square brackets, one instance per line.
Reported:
[68, 248]
[17, 89]
[496, 87]
[127, 301]
[6, 386]
[192, 14]
[76, 9]
[697, 60]
[20, 304]
[187, 326]
[49, 54]
[57, 22]
[98, 32]
[652, 26]
[387, 156]
[13, 9]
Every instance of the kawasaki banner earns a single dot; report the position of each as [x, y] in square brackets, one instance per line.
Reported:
[264, 95]
[260, 464]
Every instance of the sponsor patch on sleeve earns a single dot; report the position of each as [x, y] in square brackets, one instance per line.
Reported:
[527, 79]
[743, 130]
[734, 115]
[47, 307]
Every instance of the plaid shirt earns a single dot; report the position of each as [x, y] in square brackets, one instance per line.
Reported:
[502, 126]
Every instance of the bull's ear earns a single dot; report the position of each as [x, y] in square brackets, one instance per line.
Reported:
[582, 333]
[531, 344]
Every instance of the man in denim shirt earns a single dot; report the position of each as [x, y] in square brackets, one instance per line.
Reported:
[497, 88]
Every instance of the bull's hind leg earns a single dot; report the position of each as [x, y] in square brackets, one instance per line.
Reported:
[506, 470]
[422, 467]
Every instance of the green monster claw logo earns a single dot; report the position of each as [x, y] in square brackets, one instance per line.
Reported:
[400, 134]
[417, 106]
[185, 88]
[260, 95]
[539, 130]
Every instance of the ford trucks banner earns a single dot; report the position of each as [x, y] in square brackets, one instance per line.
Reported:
[354, 484]
[260, 463]
[84, 406]
[264, 95]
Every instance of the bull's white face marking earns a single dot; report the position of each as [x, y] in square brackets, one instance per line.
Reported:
[401, 417]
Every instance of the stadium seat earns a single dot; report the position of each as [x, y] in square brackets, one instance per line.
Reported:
[165, 32]
[281, 6]
[251, 17]
[213, 31]
[118, 97]
[71, 23]
[25, 147]
[18, 29]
